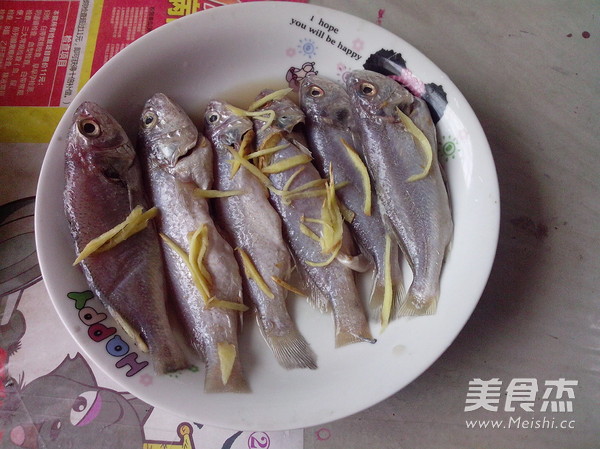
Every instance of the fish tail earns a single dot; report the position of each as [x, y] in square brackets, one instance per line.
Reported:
[376, 300]
[316, 298]
[170, 359]
[418, 304]
[352, 329]
[291, 350]
[378, 291]
[376, 296]
[345, 337]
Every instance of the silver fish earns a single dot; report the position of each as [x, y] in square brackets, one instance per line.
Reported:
[330, 125]
[253, 226]
[418, 211]
[332, 285]
[103, 185]
[178, 160]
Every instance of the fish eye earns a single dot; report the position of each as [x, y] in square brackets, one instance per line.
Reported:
[315, 91]
[149, 120]
[212, 117]
[89, 128]
[368, 89]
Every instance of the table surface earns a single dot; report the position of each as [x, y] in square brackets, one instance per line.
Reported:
[530, 70]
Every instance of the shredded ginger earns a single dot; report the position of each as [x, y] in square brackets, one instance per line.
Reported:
[386, 308]
[129, 330]
[227, 355]
[267, 115]
[208, 193]
[134, 223]
[364, 174]
[250, 167]
[252, 273]
[247, 141]
[198, 241]
[287, 286]
[286, 164]
[421, 140]
[332, 224]
[277, 95]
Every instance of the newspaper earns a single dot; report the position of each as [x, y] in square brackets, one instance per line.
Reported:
[48, 50]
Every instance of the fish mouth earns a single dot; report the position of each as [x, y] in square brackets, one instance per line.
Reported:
[235, 133]
[181, 153]
[177, 145]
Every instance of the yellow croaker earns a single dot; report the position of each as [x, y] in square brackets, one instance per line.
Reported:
[134, 223]
[422, 141]
[198, 241]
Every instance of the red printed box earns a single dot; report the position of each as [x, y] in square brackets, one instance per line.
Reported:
[35, 41]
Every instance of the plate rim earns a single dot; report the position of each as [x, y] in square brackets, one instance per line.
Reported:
[283, 6]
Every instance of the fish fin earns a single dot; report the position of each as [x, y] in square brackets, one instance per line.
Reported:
[358, 263]
[344, 337]
[378, 291]
[378, 294]
[421, 307]
[399, 295]
[291, 350]
[316, 298]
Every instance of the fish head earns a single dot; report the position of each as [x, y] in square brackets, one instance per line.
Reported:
[166, 131]
[99, 143]
[325, 100]
[288, 114]
[225, 124]
[376, 96]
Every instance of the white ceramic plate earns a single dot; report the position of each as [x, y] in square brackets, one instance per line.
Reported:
[232, 52]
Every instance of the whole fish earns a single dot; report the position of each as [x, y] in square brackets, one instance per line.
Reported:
[177, 161]
[103, 184]
[413, 197]
[254, 227]
[332, 285]
[332, 137]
